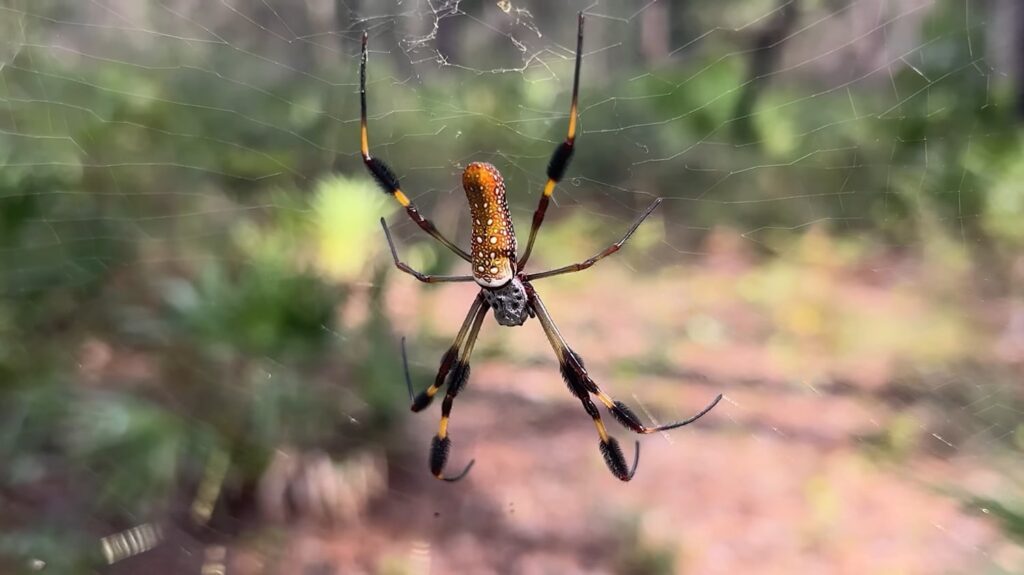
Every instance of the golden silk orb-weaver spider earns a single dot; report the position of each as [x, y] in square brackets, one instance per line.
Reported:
[506, 288]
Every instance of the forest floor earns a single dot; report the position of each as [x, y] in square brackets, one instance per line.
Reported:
[839, 446]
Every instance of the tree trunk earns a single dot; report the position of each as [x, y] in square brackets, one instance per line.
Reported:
[1018, 42]
[765, 54]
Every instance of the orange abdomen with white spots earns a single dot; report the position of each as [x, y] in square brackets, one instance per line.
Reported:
[494, 238]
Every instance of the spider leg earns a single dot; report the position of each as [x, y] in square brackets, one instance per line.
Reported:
[405, 267]
[580, 383]
[386, 177]
[581, 387]
[623, 414]
[421, 401]
[602, 254]
[562, 154]
[441, 445]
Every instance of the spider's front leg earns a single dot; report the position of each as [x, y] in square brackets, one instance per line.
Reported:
[562, 155]
[409, 270]
[581, 385]
[386, 177]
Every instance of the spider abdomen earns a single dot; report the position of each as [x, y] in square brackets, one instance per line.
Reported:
[509, 303]
[494, 238]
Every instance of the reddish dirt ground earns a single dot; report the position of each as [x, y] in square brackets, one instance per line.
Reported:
[775, 480]
[779, 478]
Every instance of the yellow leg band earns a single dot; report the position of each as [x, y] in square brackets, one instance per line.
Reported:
[549, 188]
[572, 121]
[601, 430]
[442, 429]
[402, 199]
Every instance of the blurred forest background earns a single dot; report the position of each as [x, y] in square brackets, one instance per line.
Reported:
[199, 321]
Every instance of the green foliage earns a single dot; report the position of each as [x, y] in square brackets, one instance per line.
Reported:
[210, 247]
[1002, 504]
[135, 447]
[896, 442]
[263, 311]
[347, 213]
[64, 547]
[1001, 170]
[232, 321]
[1009, 518]
[638, 555]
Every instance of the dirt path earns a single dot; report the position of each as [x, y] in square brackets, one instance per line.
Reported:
[782, 477]
[778, 479]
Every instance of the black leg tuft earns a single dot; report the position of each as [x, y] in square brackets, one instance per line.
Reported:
[573, 381]
[616, 460]
[458, 378]
[421, 402]
[578, 378]
[385, 177]
[576, 357]
[560, 161]
[439, 449]
[625, 416]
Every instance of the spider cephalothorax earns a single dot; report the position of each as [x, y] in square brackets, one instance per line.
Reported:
[509, 303]
[505, 288]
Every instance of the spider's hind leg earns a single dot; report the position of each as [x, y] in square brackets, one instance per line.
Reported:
[620, 411]
[441, 444]
[609, 446]
[456, 380]
[581, 385]
[454, 372]
[425, 397]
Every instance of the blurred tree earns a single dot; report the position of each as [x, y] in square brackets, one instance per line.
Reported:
[1018, 42]
[763, 57]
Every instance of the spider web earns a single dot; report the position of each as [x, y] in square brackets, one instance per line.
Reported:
[836, 252]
